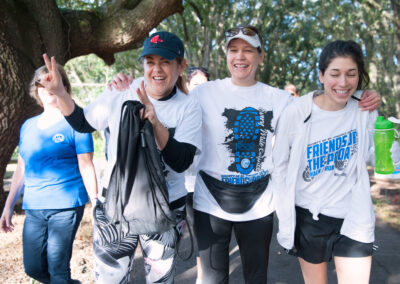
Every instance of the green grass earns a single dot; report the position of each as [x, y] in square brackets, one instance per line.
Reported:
[14, 156]
[99, 145]
[388, 212]
[8, 175]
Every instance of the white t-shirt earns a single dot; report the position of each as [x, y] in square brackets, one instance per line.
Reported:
[180, 114]
[238, 126]
[328, 168]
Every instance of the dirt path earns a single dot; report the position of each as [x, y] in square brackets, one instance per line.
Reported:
[11, 263]
[387, 208]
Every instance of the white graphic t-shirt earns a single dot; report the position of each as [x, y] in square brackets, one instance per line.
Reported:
[328, 168]
[180, 114]
[238, 126]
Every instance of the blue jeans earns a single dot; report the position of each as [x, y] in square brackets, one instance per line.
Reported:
[47, 243]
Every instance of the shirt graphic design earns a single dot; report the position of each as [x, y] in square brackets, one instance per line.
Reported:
[58, 138]
[331, 154]
[248, 129]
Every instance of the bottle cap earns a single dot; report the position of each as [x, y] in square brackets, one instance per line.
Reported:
[382, 123]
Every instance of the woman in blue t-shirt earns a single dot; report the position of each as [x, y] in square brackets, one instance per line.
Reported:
[54, 168]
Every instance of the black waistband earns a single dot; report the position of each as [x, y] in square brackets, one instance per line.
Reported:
[178, 203]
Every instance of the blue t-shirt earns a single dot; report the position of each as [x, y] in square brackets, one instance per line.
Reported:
[52, 177]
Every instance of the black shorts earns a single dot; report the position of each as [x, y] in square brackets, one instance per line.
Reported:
[316, 241]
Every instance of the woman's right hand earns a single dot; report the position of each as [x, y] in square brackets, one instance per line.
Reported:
[5, 221]
[120, 82]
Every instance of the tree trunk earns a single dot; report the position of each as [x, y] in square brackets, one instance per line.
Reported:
[15, 104]
[29, 28]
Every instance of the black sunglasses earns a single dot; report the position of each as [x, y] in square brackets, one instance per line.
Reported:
[246, 30]
[38, 84]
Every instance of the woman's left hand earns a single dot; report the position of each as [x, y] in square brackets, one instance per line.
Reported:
[149, 112]
[161, 134]
[370, 100]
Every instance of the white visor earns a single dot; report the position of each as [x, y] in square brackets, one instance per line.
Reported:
[252, 40]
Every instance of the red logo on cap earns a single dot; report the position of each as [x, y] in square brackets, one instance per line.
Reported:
[156, 39]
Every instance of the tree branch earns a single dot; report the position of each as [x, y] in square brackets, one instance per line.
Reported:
[48, 19]
[109, 8]
[196, 11]
[105, 35]
[384, 13]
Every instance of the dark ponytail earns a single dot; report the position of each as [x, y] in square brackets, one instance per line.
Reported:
[181, 82]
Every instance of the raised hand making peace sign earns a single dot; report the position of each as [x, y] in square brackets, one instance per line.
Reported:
[150, 113]
[52, 80]
[53, 83]
[160, 132]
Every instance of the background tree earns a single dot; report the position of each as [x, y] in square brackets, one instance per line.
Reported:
[64, 29]
[293, 32]
[293, 35]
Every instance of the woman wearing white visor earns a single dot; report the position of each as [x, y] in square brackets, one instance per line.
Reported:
[231, 190]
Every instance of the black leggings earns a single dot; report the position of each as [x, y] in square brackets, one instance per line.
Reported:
[190, 220]
[253, 237]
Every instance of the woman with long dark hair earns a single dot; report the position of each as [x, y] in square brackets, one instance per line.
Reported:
[323, 199]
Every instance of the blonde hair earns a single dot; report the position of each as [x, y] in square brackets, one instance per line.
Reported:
[33, 89]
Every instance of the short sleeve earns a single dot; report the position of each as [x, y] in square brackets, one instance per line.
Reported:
[21, 133]
[83, 143]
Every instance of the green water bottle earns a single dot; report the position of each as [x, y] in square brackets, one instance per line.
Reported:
[383, 139]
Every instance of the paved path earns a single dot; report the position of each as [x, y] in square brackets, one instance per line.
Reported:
[284, 269]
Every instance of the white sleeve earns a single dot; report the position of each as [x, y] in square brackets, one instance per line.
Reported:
[98, 111]
[282, 100]
[283, 194]
[189, 128]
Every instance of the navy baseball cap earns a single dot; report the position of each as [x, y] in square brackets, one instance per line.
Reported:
[164, 44]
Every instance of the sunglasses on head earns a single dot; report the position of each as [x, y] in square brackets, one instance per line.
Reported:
[38, 84]
[246, 30]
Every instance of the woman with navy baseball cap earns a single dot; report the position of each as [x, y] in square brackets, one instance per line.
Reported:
[176, 121]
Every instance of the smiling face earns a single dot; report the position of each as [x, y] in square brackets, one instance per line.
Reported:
[243, 60]
[340, 81]
[161, 75]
